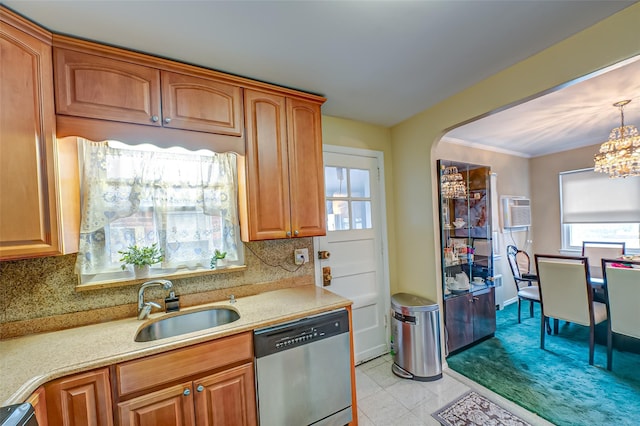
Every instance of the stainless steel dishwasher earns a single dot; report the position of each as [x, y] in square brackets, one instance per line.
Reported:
[303, 371]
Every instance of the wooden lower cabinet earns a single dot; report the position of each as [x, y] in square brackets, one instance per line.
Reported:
[172, 406]
[82, 399]
[469, 318]
[38, 401]
[226, 398]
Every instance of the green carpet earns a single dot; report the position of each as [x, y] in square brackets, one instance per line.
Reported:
[557, 383]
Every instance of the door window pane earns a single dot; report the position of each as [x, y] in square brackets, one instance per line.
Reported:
[335, 181]
[359, 183]
[361, 214]
[337, 215]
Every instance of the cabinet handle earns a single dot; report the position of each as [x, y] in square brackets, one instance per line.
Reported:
[288, 233]
[155, 118]
[186, 392]
[200, 388]
[167, 120]
[295, 232]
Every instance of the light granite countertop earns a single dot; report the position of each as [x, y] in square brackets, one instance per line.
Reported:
[30, 361]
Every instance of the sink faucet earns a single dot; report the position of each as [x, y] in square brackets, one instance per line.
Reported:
[144, 308]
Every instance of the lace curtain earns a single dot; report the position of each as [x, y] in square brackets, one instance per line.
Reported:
[184, 202]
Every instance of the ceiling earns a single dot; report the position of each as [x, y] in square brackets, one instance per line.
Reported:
[379, 62]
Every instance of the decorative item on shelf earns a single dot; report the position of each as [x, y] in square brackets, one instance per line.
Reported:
[452, 183]
[217, 255]
[459, 223]
[141, 258]
[620, 155]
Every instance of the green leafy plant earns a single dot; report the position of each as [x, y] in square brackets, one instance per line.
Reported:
[140, 256]
[217, 255]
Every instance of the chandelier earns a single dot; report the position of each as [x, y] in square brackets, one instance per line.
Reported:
[452, 183]
[620, 155]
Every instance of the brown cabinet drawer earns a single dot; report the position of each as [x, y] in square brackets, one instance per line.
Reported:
[137, 375]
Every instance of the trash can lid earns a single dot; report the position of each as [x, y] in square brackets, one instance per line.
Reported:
[413, 302]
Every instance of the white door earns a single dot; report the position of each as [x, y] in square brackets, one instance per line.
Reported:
[355, 240]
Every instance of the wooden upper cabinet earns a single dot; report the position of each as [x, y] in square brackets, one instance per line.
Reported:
[267, 169]
[82, 399]
[284, 195]
[306, 170]
[95, 87]
[193, 103]
[31, 211]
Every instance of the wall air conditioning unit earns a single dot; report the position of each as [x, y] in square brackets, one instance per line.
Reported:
[516, 212]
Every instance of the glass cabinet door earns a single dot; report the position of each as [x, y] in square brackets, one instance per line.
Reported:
[465, 226]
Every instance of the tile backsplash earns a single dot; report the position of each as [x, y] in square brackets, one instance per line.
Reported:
[37, 289]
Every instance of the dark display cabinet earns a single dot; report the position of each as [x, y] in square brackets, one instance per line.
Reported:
[466, 252]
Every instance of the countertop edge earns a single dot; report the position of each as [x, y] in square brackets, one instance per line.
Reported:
[32, 383]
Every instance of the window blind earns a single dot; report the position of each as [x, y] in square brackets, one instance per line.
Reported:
[590, 197]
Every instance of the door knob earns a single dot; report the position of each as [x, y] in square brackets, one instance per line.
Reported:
[326, 276]
[323, 254]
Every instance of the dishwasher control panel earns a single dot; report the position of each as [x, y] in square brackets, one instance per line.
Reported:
[296, 333]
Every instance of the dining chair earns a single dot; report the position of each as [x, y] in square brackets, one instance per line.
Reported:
[595, 251]
[520, 265]
[565, 294]
[622, 288]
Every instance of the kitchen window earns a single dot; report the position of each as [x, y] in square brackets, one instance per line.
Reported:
[595, 207]
[184, 202]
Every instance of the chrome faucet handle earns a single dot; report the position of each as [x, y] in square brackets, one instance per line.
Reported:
[232, 299]
[145, 308]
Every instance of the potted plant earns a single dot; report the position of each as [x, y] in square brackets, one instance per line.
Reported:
[217, 255]
[141, 258]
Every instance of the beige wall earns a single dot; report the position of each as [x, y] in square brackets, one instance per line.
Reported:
[545, 211]
[355, 134]
[606, 43]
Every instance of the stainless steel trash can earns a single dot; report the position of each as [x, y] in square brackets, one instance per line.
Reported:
[415, 337]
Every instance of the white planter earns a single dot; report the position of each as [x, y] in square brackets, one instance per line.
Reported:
[141, 271]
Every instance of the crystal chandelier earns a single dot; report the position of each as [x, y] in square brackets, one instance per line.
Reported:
[620, 155]
[452, 183]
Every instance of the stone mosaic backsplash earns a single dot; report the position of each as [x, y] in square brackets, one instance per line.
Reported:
[36, 289]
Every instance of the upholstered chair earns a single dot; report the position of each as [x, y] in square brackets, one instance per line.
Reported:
[566, 294]
[595, 251]
[622, 287]
[526, 283]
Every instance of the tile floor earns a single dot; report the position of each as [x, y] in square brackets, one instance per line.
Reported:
[387, 400]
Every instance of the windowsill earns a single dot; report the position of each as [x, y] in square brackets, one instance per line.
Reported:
[98, 285]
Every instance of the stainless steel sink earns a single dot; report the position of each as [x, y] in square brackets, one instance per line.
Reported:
[187, 322]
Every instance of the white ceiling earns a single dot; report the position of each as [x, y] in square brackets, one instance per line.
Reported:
[379, 62]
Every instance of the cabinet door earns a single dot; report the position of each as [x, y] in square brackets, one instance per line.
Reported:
[193, 103]
[28, 204]
[83, 399]
[306, 175]
[484, 307]
[459, 321]
[267, 186]
[226, 398]
[97, 87]
[39, 403]
[172, 406]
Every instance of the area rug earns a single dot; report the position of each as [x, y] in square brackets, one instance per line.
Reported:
[557, 383]
[472, 409]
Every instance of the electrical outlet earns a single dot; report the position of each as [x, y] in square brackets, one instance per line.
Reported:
[301, 256]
